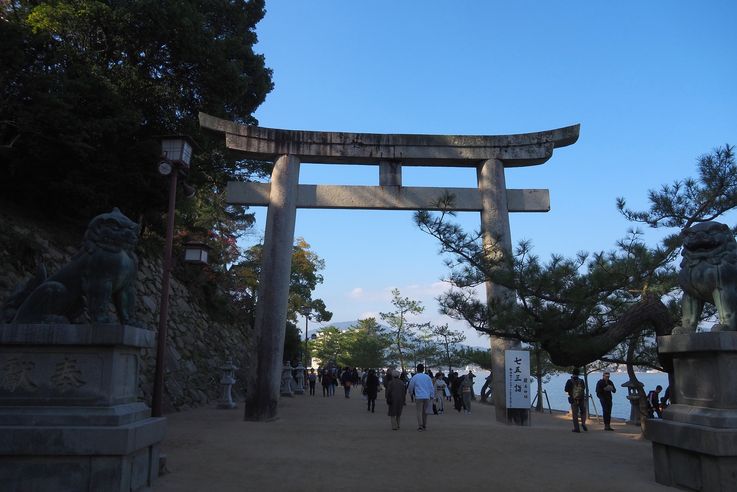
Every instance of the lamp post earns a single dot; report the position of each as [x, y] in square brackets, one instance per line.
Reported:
[176, 153]
[306, 311]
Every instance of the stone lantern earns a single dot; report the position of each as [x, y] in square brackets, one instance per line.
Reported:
[286, 380]
[227, 380]
[300, 378]
[633, 395]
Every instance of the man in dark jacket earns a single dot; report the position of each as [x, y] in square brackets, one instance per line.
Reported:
[576, 390]
[604, 390]
[653, 403]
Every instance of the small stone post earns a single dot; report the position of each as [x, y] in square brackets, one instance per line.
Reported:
[300, 380]
[633, 395]
[227, 380]
[286, 380]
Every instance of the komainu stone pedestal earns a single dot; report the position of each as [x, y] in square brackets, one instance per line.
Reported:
[695, 444]
[70, 419]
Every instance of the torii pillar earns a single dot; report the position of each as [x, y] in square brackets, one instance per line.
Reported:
[497, 241]
[489, 154]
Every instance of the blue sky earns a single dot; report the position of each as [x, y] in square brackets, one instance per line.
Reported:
[653, 85]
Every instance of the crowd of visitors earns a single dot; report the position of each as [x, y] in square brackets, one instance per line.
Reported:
[429, 392]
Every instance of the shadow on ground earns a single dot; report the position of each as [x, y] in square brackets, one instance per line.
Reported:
[334, 444]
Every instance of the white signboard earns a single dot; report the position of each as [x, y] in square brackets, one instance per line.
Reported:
[517, 371]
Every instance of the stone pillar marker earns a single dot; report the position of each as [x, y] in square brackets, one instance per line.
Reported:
[489, 154]
[273, 290]
[498, 244]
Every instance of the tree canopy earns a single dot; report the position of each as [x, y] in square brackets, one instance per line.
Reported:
[402, 328]
[582, 308]
[86, 87]
[305, 276]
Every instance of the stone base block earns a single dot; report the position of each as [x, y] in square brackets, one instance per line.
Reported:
[67, 458]
[70, 365]
[74, 416]
[70, 419]
[134, 472]
[693, 456]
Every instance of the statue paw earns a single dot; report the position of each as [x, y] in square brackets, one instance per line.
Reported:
[682, 330]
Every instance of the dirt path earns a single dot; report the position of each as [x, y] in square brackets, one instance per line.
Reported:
[334, 444]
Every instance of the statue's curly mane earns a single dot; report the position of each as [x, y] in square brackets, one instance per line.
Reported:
[708, 274]
[103, 270]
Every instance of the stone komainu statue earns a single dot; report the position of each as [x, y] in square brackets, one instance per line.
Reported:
[708, 274]
[104, 269]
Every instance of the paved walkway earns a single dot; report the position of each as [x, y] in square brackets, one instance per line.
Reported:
[334, 444]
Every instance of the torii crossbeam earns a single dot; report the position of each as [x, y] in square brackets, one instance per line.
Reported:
[489, 155]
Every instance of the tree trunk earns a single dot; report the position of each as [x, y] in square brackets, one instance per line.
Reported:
[401, 357]
[539, 375]
[579, 350]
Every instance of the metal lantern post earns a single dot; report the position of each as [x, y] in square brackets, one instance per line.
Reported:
[176, 153]
[306, 311]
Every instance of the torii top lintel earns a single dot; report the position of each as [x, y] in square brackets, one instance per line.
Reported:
[523, 149]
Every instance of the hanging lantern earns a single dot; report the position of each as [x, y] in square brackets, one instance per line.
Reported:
[196, 252]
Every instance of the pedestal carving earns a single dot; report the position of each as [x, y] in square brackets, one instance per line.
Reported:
[70, 419]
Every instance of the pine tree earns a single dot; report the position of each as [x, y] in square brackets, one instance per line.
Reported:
[583, 308]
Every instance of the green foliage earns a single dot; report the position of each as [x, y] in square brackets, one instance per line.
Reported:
[362, 345]
[689, 201]
[292, 344]
[402, 328]
[422, 347]
[329, 345]
[589, 306]
[304, 278]
[87, 86]
[365, 345]
[475, 356]
[448, 342]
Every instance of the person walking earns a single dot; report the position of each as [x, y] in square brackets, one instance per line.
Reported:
[440, 389]
[576, 389]
[372, 389]
[455, 389]
[396, 393]
[466, 390]
[328, 384]
[312, 379]
[346, 380]
[421, 386]
[604, 390]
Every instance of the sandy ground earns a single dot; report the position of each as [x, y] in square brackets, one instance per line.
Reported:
[334, 444]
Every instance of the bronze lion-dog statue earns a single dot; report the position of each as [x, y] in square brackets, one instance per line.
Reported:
[104, 270]
[708, 274]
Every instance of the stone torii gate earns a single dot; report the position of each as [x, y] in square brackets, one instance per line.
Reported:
[489, 155]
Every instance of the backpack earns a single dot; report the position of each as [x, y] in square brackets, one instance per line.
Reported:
[577, 389]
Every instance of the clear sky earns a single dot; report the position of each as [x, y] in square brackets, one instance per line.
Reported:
[653, 85]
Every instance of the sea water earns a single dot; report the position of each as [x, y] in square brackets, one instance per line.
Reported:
[559, 398]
